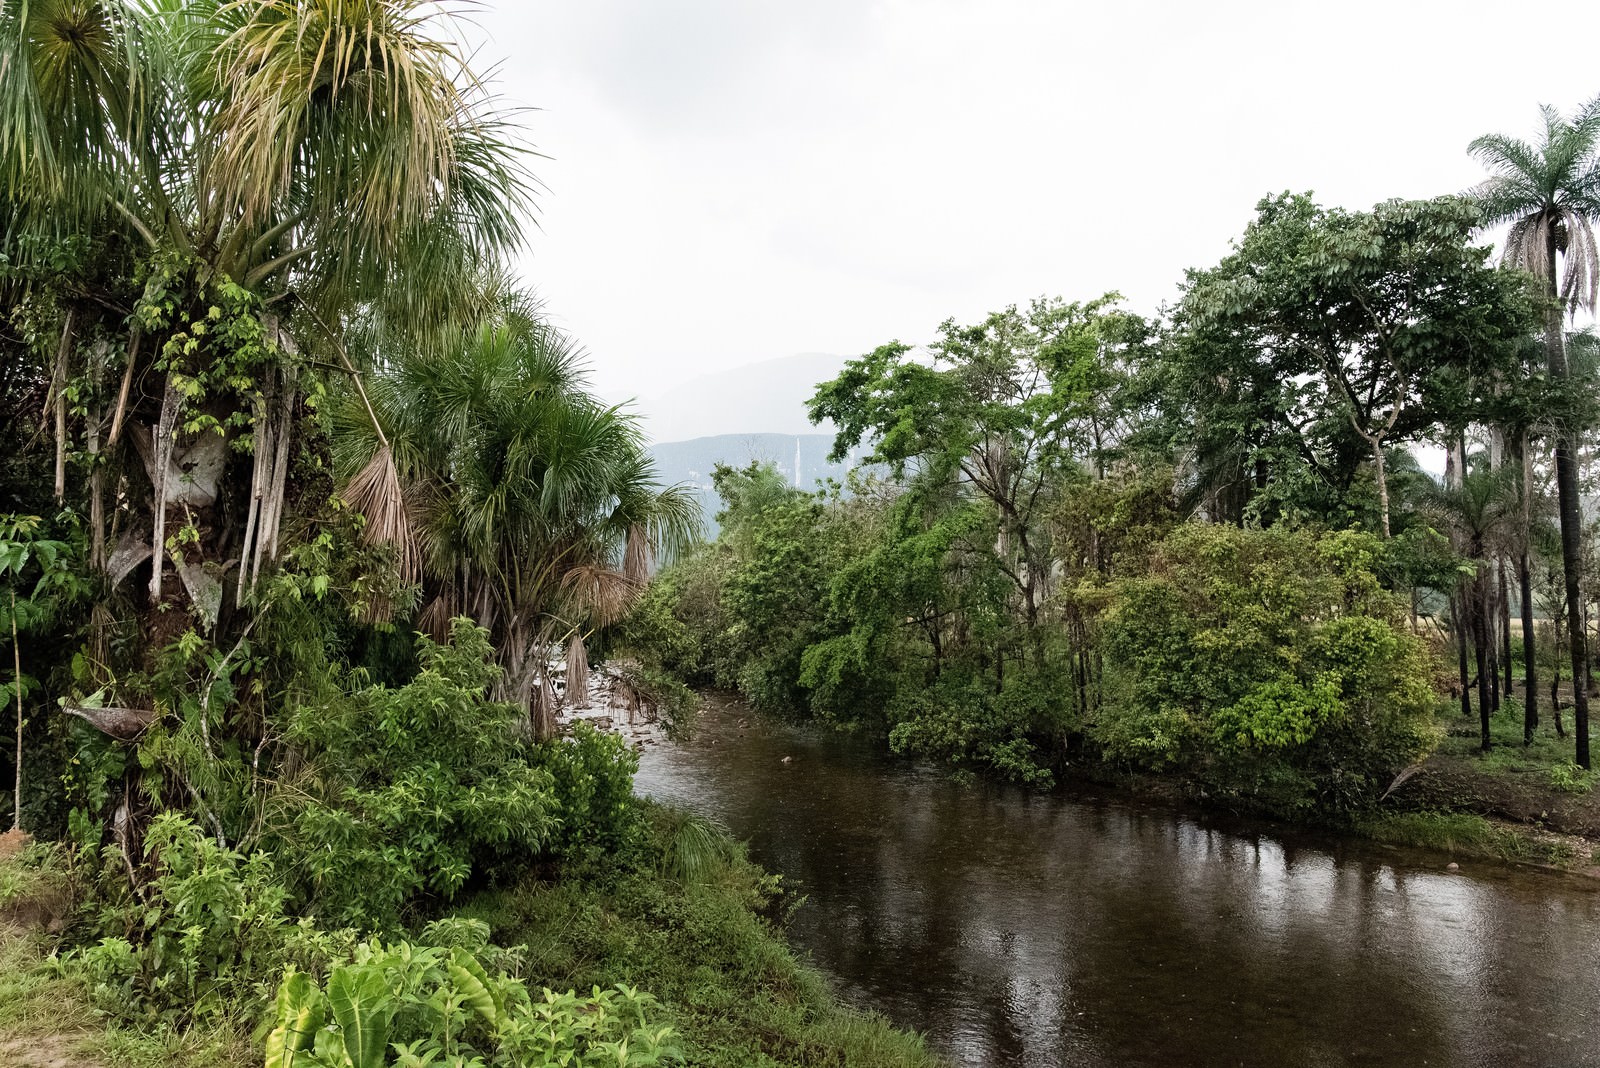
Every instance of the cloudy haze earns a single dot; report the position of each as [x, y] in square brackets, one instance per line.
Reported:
[732, 181]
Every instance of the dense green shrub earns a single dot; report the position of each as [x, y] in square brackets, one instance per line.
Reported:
[595, 810]
[1267, 665]
[206, 936]
[415, 788]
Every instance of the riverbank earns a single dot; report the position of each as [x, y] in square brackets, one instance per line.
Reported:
[681, 913]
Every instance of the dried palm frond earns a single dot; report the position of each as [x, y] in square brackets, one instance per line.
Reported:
[639, 557]
[542, 706]
[577, 672]
[601, 593]
[435, 619]
[375, 492]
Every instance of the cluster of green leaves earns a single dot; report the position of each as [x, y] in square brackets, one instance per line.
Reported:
[203, 940]
[1267, 665]
[413, 1006]
[415, 788]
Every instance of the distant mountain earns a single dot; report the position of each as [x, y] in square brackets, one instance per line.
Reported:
[803, 459]
[757, 399]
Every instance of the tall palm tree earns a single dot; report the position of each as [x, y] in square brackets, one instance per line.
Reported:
[1550, 192]
[528, 504]
[274, 163]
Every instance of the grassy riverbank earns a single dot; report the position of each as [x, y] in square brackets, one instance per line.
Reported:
[683, 914]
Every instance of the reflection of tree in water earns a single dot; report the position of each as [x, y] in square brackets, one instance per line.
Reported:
[1019, 929]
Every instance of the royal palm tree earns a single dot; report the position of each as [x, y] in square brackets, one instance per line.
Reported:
[1550, 192]
[519, 499]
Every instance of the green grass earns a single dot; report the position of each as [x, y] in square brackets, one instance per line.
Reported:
[1465, 834]
[1507, 753]
[734, 989]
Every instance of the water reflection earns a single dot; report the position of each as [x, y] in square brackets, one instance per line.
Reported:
[1017, 929]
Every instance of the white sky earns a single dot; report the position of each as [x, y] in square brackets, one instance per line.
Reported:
[736, 180]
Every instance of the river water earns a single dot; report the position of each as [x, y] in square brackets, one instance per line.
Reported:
[1019, 929]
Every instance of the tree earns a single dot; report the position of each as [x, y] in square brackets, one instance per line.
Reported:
[1481, 511]
[1550, 192]
[1377, 321]
[517, 498]
[263, 169]
[1010, 409]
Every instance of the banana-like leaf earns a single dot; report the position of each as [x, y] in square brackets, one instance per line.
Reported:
[299, 1014]
[475, 986]
[363, 1008]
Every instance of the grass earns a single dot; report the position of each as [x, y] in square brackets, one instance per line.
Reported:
[45, 1015]
[1467, 834]
[708, 950]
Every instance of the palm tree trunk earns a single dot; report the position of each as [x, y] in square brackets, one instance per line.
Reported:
[1480, 647]
[1458, 621]
[1570, 509]
[1530, 642]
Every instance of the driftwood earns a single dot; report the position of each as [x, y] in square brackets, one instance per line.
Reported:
[122, 723]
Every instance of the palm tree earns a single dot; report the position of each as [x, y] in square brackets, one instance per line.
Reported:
[519, 499]
[1549, 193]
[1480, 512]
[268, 167]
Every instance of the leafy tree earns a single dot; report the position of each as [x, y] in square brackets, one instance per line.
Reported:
[1009, 408]
[1550, 193]
[1374, 320]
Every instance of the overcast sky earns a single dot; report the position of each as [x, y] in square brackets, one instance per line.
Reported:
[735, 180]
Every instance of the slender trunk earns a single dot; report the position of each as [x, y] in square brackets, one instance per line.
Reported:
[16, 660]
[1380, 468]
[58, 393]
[162, 449]
[1530, 642]
[1508, 688]
[1459, 622]
[1480, 646]
[1570, 508]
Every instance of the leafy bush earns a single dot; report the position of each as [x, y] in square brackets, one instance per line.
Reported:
[1570, 778]
[1267, 665]
[416, 1006]
[594, 807]
[420, 788]
[211, 928]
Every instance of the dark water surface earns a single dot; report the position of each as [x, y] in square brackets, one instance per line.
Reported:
[1016, 929]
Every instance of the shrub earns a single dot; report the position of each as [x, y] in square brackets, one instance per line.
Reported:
[1266, 665]
[594, 808]
[211, 928]
[420, 787]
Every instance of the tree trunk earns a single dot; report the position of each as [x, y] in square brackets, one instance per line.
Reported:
[1570, 509]
[1458, 621]
[16, 655]
[1508, 686]
[1480, 644]
[1530, 642]
[1381, 469]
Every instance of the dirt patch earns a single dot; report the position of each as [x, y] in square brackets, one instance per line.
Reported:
[1519, 796]
[44, 1051]
[14, 842]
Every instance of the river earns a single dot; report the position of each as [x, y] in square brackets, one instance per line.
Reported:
[1039, 930]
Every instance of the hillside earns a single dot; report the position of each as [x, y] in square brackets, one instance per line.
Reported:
[803, 459]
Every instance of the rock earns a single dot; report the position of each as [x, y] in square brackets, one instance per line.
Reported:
[1452, 866]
